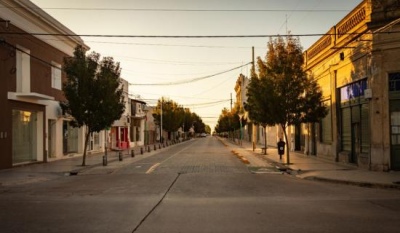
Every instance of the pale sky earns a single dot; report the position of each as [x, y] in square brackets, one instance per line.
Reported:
[169, 60]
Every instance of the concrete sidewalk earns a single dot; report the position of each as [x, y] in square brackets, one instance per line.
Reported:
[67, 166]
[314, 168]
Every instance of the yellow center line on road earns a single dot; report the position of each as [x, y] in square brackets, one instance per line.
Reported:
[153, 168]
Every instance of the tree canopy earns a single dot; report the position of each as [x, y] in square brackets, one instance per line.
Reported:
[282, 93]
[93, 92]
[174, 116]
[229, 120]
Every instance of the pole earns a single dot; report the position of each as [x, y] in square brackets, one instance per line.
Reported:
[231, 102]
[241, 133]
[161, 129]
[254, 127]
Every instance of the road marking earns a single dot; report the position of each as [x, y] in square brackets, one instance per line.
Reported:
[152, 168]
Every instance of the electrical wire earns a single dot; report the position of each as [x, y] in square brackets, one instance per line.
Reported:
[188, 80]
[190, 36]
[178, 10]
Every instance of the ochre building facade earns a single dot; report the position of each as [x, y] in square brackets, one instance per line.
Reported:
[358, 67]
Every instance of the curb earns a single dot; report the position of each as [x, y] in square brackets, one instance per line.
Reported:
[75, 172]
[354, 183]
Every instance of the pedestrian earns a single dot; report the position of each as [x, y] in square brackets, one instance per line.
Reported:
[281, 148]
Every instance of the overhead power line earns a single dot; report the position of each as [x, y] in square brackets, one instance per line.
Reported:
[182, 10]
[187, 80]
[190, 36]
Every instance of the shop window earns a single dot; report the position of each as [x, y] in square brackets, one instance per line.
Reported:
[70, 138]
[395, 128]
[24, 137]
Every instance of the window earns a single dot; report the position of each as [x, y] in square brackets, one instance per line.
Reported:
[56, 76]
[23, 69]
[326, 124]
[394, 82]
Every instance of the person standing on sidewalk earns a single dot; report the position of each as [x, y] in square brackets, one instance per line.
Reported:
[281, 148]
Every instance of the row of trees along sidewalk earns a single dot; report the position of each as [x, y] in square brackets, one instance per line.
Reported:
[175, 116]
[282, 93]
[95, 98]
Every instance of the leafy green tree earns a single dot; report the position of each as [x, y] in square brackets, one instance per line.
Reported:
[172, 115]
[93, 92]
[208, 129]
[187, 120]
[198, 124]
[227, 121]
[283, 94]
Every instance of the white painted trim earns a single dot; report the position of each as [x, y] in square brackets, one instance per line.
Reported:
[28, 17]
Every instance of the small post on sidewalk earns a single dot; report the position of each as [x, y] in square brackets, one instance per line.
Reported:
[120, 156]
[132, 153]
[141, 150]
[104, 160]
[155, 147]
[105, 156]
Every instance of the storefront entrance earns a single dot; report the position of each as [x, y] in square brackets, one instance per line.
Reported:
[24, 140]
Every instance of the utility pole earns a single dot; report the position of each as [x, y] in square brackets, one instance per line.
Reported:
[161, 129]
[254, 126]
[252, 55]
[231, 101]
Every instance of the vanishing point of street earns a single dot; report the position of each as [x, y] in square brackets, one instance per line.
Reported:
[195, 186]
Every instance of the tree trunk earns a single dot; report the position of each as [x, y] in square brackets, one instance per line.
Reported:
[85, 148]
[265, 139]
[287, 144]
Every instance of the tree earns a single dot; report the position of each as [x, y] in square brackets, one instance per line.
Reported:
[93, 92]
[172, 115]
[208, 129]
[198, 124]
[187, 120]
[227, 121]
[283, 94]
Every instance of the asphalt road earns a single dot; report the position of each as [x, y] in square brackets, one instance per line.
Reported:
[195, 186]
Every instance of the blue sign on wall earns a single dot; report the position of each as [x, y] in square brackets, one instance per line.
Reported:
[353, 90]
